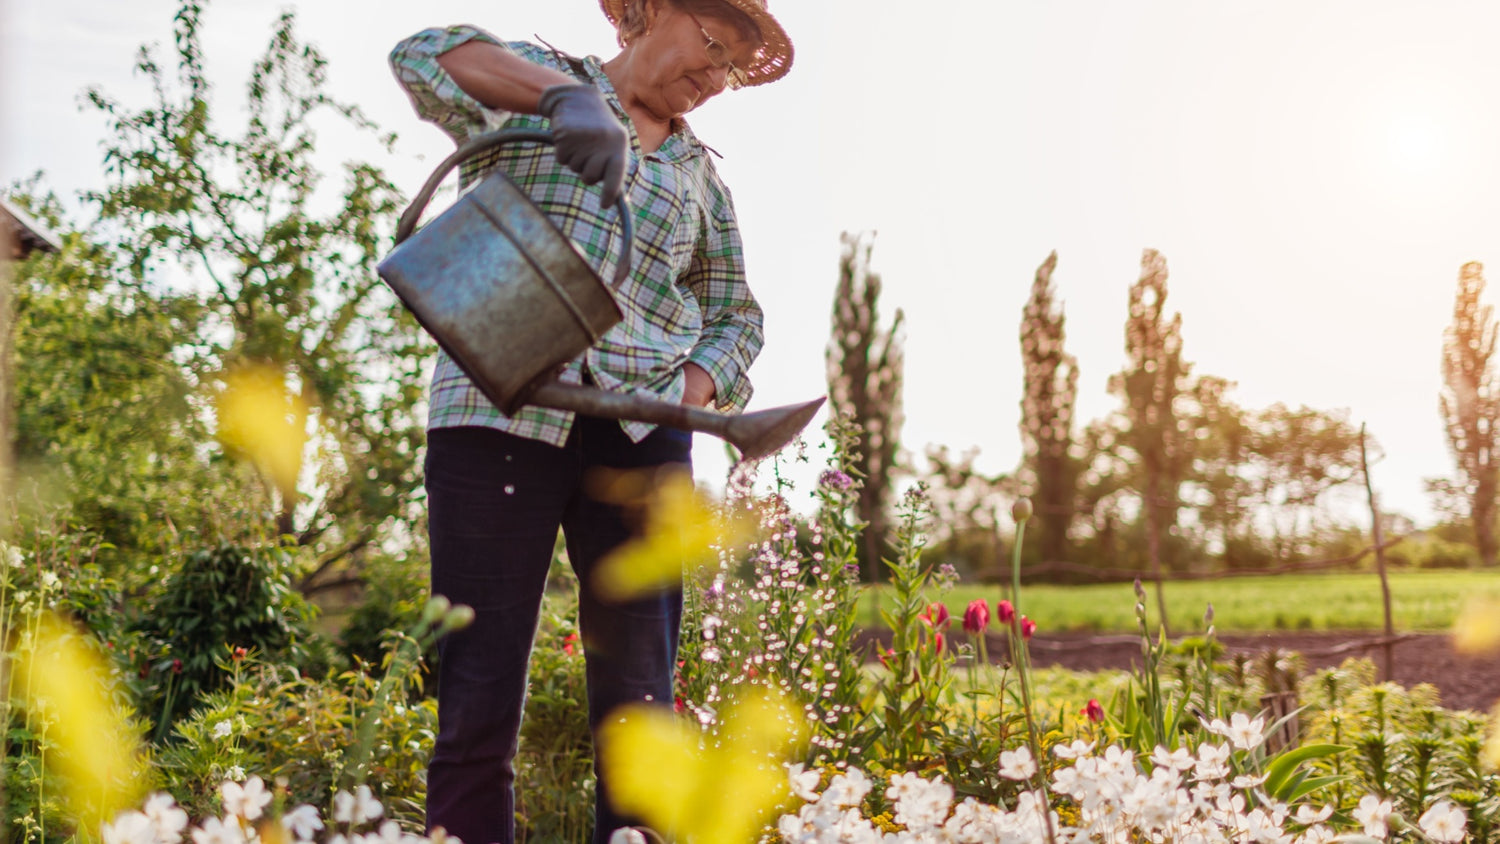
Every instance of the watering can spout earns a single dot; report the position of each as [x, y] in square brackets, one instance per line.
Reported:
[756, 435]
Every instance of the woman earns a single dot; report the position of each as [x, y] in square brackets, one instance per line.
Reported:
[500, 487]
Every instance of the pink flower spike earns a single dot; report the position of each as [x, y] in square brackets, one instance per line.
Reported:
[1028, 627]
[936, 615]
[1006, 611]
[977, 616]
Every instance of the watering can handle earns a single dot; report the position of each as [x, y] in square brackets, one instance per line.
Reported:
[485, 143]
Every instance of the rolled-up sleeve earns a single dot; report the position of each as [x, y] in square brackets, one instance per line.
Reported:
[733, 324]
[433, 93]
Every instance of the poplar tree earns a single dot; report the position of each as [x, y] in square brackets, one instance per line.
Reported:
[1049, 473]
[1154, 377]
[865, 363]
[1470, 404]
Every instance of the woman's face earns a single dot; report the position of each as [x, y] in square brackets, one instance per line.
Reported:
[674, 73]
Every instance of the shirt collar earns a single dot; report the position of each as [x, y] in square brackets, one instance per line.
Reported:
[681, 144]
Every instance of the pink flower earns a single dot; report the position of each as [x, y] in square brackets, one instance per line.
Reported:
[977, 616]
[1094, 711]
[939, 643]
[936, 615]
[1028, 627]
[1006, 611]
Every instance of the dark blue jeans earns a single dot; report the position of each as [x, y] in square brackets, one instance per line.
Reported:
[495, 503]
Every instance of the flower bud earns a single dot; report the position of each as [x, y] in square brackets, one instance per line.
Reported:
[936, 615]
[1021, 510]
[1028, 627]
[437, 607]
[1094, 711]
[1006, 611]
[977, 616]
[457, 618]
[1140, 591]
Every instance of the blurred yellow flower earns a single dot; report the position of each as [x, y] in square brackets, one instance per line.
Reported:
[1477, 629]
[660, 770]
[683, 529]
[259, 418]
[64, 683]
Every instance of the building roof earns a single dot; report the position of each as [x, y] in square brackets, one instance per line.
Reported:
[24, 234]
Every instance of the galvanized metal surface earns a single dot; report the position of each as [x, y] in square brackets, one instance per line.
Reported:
[500, 288]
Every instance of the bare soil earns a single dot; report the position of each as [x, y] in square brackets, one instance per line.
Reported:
[1465, 682]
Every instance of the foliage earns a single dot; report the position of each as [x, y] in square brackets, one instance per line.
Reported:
[1049, 475]
[1470, 404]
[784, 618]
[554, 763]
[276, 282]
[394, 590]
[225, 597]
[314, 736]
[866, 363]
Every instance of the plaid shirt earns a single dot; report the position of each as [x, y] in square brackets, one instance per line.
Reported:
[686, 301]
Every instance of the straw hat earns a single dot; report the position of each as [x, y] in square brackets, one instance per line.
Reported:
[771, 62]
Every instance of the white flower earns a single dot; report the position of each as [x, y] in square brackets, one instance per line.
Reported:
[358, 807]
[1180, 759]
[804, 783]
[130, 828]
[1017, 764]
[246, 801]
[11, 555]
[168, 820]
[1073, 751]
[235, 773]
[222, 729]
[49, 580]
[1213, 762]
[215, 831]
[1372, 812]
[1307, 815]
[1246, 733]
[1444, 822]
[627, 835]
[1244, 781]
[302, 822]
[846, 789]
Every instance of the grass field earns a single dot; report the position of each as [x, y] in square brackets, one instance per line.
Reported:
[1419, 601]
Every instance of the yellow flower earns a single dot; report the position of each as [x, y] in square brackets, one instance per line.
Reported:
[1477, 629]
[660, 769]
[65, 683]
[683, 529]
[259, 418]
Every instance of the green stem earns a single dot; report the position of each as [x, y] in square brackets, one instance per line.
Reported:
[1021, 656]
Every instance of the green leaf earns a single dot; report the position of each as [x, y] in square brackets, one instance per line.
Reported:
[1280, 768]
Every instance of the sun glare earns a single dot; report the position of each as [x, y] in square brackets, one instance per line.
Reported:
[1415, 145]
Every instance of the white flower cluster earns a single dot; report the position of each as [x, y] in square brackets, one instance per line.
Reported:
[1187, 797]
[162, 822]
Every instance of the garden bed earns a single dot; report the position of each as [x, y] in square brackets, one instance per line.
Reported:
[1465, 682]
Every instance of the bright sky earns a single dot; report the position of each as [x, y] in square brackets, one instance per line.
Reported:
[1314, 173]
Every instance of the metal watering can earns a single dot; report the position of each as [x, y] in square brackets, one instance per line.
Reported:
[500, 288]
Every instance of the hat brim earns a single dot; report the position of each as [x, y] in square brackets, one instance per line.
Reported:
[772, 60]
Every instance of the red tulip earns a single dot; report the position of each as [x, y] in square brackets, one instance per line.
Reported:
[977, 616]
[1094, 711]
[569, 641]
[1006, 611]
[1028, 627]
[939, 643]
[936, 615]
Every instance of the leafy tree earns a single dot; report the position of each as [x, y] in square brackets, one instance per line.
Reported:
[1151, 386]
[1049, 472]
[283, 274]
[105, 433]
[1470, 404]
[1298, 457]
[865, 363]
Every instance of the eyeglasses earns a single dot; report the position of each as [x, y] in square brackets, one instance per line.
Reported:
[718, 55]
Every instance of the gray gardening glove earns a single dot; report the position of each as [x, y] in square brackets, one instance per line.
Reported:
[589, 140]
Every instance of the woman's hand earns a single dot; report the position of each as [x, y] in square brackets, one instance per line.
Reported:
[699, 390]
